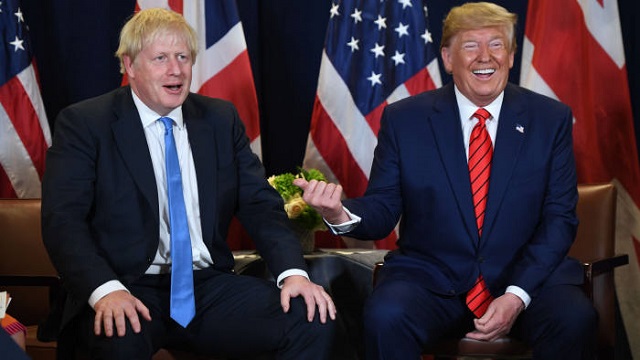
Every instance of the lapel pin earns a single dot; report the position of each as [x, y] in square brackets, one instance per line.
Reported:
[520, 128]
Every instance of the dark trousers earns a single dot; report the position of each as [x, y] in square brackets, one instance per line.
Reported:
[402, 316]
[237, 317]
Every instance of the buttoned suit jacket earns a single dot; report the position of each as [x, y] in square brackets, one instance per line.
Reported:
[100, 215]
[420, 177]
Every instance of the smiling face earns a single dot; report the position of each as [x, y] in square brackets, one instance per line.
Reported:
[479, 61]
[160, 74]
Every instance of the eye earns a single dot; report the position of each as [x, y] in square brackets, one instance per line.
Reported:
[470, 46]
[496, 45]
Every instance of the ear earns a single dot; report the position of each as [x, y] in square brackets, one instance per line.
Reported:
[128, 66]
[446, 59]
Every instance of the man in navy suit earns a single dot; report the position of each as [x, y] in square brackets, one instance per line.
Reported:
[516, 245]
[106, 222]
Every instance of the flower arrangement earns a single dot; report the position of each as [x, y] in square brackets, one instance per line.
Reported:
[303, 215]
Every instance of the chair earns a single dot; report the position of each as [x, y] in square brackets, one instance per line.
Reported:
[594, 247]
[26, 272]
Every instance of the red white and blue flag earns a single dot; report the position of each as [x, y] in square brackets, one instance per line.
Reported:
[376, 52]
[576, 55]
[24, 129]
[222, 70]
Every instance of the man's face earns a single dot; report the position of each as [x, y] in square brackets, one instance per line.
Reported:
[479, 61]
[161, 73]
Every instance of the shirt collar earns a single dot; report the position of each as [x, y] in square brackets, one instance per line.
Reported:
[148, 116]
[467, 108]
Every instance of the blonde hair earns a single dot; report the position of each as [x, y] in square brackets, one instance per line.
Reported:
[148, 25]
[477, 15]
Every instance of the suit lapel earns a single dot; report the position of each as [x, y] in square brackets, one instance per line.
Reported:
[132, 145]
[203, 149]
[512, 132]
[448, 137]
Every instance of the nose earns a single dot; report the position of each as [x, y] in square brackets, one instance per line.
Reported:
[173, 67]
[484, 54]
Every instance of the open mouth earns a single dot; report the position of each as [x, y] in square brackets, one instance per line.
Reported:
[484, 72]
[174, 87]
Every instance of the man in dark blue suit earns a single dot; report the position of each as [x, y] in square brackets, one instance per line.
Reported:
[106, 220]
[512, 241]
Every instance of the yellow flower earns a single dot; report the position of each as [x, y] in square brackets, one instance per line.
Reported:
[295, 207]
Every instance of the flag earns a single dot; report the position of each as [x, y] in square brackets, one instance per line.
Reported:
[222, 69]
[576, 56]
[376, 52]
[24, 128]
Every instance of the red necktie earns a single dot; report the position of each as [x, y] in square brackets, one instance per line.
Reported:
[480, 154]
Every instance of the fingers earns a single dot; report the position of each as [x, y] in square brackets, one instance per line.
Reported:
[314, 297]
[285, 297]
[114, 310]
[322, 193]
[309, 300]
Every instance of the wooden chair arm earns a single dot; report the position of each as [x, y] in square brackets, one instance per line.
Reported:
[30, 280]
[600, 266]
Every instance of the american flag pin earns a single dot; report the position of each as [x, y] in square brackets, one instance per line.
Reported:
[520, 128]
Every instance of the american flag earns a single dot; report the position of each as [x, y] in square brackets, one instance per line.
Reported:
[376, 52]
[24, 129]
[222, 70]
[588, 72]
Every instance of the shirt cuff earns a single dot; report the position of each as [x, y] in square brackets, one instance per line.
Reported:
[290, 272]
[105, 289]
[517, 291]
[345, 227]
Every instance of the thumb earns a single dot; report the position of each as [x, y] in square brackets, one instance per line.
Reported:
[301, 183]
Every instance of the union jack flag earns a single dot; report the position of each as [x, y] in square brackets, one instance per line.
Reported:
[376, 52]
[24, 129]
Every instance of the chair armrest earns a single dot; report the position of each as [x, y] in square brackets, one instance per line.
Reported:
[600, 266]
[30, 280]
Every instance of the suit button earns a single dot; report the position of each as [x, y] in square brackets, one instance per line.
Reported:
[480, 259]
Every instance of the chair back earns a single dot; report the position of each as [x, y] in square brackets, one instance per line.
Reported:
[22, 253]
[597, 214]
[595, 239]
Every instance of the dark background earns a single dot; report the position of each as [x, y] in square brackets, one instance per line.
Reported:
[74, 42]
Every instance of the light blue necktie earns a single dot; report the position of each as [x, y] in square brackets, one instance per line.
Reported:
[183, 307]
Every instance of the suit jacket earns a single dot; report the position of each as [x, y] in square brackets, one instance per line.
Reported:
[420, 175]
[100, 216]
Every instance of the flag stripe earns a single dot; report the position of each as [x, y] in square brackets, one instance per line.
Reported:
[216, 57]
[16, 161]
[326, 136]
[23, 119]
[242, 94]
[335, 97]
